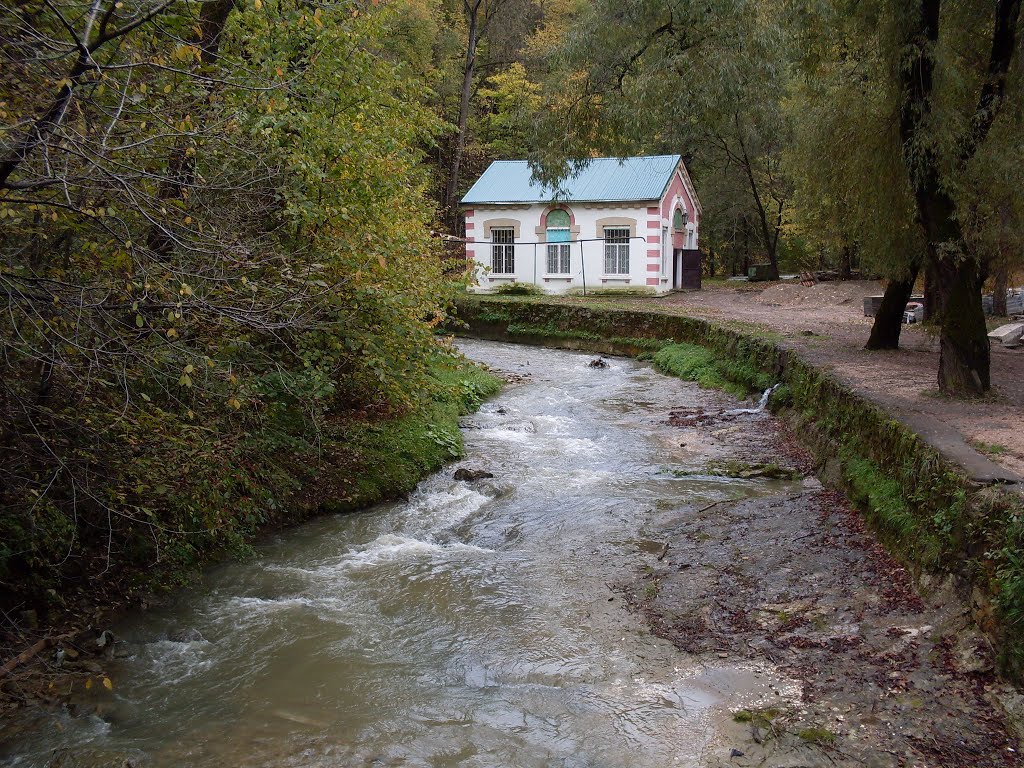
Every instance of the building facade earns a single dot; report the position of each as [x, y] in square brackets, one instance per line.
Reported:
[618, 223]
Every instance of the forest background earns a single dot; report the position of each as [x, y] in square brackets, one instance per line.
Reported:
[219, 225]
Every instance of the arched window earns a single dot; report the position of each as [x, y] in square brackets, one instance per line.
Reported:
[557, 236]
[679, 220]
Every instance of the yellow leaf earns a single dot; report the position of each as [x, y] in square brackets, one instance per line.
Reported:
[171, 333]
[107, 684]
[381, 260]
[167, 88]
[88, 684]
[257, 4]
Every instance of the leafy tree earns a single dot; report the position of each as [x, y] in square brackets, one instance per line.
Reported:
[215, 251]
[508, 103]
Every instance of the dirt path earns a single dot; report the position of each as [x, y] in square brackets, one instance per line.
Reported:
[826, 324]
[796, 581]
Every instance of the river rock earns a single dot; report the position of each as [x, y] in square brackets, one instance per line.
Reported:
[189, 635]
[598, 362]
[972, 655]
[465, 473]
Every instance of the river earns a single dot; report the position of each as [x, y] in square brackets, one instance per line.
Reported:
[474, 624]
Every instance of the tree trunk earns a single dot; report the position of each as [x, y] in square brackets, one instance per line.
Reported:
[885, 331]
[933, 300]
[846, 263]
[451, 190]
[964, 351]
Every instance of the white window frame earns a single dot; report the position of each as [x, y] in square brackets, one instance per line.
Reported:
[616, 250]
[503, 251]
[559, 257]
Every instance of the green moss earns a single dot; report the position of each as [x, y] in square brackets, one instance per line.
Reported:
[744, 469]
[550, 331]
[991, 449]
[762, 718]
[821, 736]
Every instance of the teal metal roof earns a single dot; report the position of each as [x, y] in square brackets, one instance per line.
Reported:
[603, 179]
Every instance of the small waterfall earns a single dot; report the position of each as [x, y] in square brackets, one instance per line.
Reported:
[761, 404]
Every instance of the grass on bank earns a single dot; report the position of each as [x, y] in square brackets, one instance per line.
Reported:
[386, 459]
[701, 365]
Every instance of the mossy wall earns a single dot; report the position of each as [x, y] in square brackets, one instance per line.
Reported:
[924, 509]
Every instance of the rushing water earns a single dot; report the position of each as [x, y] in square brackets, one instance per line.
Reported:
[472, 625]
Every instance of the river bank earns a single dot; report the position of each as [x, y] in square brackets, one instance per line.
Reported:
[958, 528]
[51, 651]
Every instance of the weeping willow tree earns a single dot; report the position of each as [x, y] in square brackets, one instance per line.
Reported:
[920, 91]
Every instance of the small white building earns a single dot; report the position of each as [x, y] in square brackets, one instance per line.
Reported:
[619, 223]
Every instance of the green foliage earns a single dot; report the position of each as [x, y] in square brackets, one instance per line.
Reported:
[507, 102]
[699, 364]
[217, 270]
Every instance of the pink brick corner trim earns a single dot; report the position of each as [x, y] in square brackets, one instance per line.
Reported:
[654, 267]
[652, 281]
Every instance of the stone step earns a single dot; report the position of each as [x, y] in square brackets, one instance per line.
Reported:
[1008, 335]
